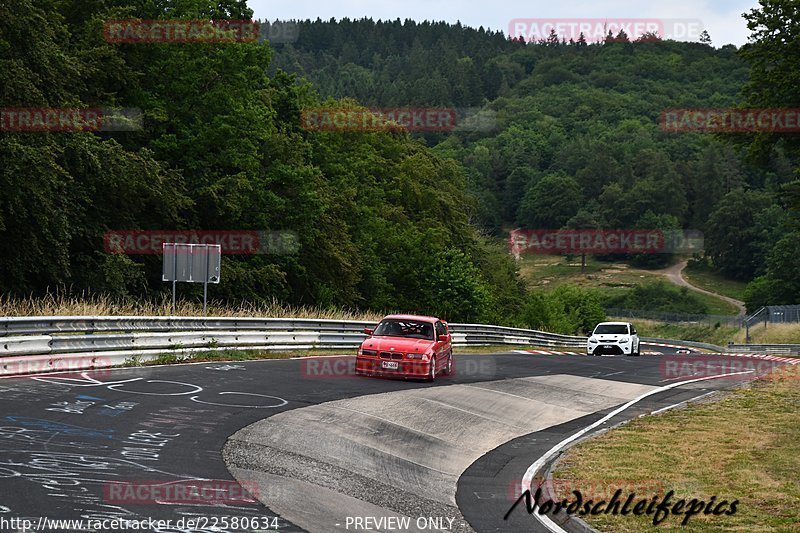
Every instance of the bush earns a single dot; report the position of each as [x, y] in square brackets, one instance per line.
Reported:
[567, 309]
[658, 296]
[454, 288]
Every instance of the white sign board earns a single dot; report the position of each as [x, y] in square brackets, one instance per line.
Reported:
[192, 263]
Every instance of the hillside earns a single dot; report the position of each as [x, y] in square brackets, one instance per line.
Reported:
[577, 139]
[381, 220]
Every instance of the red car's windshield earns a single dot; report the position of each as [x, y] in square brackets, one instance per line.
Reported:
[405, 328]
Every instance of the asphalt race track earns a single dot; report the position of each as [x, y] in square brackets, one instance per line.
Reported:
[314, 444]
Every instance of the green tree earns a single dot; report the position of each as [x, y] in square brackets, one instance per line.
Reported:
[731, 238]
[550, 202]
[567, 309]
[667, 225]
[780, 285]
[584, 219]
[454, 288]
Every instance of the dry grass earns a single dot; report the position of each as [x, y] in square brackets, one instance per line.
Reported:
[58, 304]
[553, 271]
[745, 447]
[772, 334]
[221, 356]
[711, 281]
[611, 279]
[720, 336]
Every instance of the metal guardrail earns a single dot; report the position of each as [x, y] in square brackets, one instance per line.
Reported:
[692, 344]
[98, 324]
[770, 349]
[36, 344]
[40, 344]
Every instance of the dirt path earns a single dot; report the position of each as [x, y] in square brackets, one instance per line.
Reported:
[675, 275]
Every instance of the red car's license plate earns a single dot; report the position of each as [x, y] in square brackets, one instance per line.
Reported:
[388, 365]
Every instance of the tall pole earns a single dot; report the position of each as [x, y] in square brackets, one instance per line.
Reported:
[174, 275]
[205, 282]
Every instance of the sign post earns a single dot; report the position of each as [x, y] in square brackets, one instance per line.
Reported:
[192, 263]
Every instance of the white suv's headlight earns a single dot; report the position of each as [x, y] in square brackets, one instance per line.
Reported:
[624, 341]
[593, 340]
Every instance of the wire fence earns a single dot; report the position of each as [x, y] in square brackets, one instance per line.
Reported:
[677, 318]
[783, 313]
[775, 314]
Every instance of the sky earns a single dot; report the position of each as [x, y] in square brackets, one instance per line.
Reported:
[722, 19]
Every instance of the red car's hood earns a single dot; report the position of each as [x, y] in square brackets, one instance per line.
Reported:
[397, 344]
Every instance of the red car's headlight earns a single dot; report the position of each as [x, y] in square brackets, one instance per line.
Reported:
[415, 356]
[367, 352]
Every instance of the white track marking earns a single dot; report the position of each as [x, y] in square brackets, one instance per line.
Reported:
[527, 479]
[281, 400]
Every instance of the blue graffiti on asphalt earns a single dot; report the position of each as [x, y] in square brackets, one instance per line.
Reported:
[90, 398]
[67, 429]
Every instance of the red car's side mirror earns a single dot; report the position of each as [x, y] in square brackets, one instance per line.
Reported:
[368, 331]
[445, 338]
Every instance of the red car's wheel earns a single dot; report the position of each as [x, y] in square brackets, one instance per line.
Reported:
[432, 373]
[449, 368]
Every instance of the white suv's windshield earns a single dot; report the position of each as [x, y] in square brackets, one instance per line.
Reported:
[611, 329]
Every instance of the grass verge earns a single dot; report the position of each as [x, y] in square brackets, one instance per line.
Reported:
[705, 278]
[713, 334]
[772, 334]
[716, 306]
[221, 356]
[59, 304]
[613, 281]
[719, 335]
[744, 447]
[551, 271]
[227, 356]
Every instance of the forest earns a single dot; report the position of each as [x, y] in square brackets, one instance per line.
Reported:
[578, 141]
[385, 220]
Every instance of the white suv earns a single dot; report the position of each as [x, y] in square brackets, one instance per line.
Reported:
[613, 338]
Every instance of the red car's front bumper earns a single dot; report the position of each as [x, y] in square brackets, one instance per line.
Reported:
[405, 368]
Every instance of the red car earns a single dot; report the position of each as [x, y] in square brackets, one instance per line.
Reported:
[407, 346]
